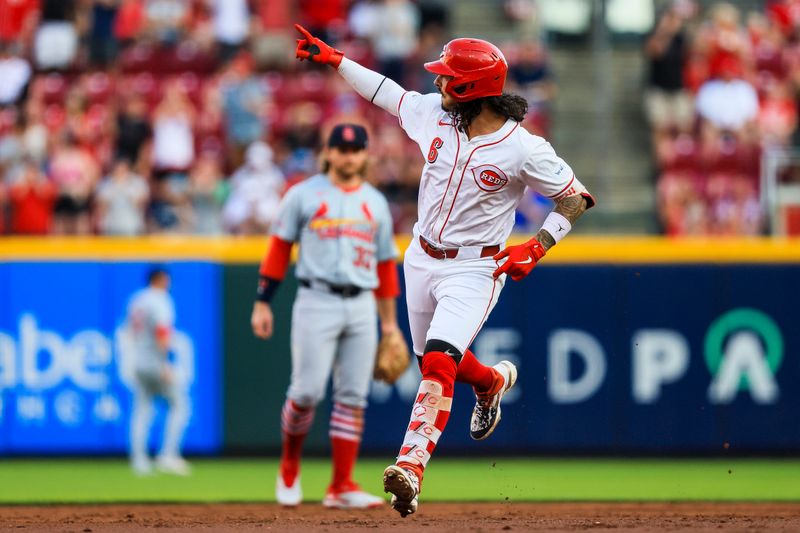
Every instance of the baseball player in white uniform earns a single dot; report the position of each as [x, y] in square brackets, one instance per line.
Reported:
[150, 321]
[346, 271]
[478, 163]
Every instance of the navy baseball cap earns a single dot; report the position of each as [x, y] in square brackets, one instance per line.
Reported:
[351, 135]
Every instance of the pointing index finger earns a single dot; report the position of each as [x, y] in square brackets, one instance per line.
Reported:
[304, 32]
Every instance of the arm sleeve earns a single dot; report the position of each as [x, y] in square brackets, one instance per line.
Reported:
[388, 282]
[372, 86]
[276, 260]
[288, 221]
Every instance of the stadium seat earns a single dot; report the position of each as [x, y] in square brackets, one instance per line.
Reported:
[99, 87]
[54, 117]
[54, 88]
[137, 58]
[8, 117]
[191, 84]
[145, 85]
[684, 155]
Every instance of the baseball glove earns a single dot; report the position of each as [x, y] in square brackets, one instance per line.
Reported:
[392, 358]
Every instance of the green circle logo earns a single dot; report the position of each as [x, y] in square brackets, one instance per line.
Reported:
[747, 319]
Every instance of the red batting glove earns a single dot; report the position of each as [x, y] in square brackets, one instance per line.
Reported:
[316, 50]
[521, 259]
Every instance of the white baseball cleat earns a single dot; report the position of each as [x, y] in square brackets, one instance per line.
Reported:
[486, 414]
[142, 466]
[404, 486]
[352, 499]
[288, 496]
[173, 464]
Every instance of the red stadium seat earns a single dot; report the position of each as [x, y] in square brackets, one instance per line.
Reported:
[54, 88]
[98, 115]
[314, 86]
[99, 87]
[210, 144]
[54, 117]
[191, 84]
[8, 117]
[145, 85]
[274, 81]
[684, 156]
[137, 58]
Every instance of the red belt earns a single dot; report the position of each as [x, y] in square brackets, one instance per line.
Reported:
[450, 253]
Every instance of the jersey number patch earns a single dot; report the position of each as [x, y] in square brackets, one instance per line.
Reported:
[364, 259]
[433, 153]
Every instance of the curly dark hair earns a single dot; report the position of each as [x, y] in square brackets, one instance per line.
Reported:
[509, 105]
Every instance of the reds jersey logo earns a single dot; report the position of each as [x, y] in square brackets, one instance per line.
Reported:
[489, 178]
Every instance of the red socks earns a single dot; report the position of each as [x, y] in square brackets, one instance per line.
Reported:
[295, 423]
[347, 426]
[473, 372]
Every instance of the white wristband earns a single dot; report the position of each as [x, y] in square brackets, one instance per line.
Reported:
[556, 225]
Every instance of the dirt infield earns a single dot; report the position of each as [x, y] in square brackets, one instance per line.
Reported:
[443, 517]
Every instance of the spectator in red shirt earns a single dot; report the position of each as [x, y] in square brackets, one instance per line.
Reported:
[129, 22]
[728, 41]
[17, 20]
[777, 116]
[31, 200]
[323, 17]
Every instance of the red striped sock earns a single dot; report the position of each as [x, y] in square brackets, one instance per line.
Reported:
[430, 412]
[295, 424]
[475, 373]
[347, 426]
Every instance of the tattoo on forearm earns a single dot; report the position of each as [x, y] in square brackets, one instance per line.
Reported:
[545, 239]
[571, 207]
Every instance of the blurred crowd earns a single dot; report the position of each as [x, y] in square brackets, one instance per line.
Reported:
[723, 87]
[126, 117]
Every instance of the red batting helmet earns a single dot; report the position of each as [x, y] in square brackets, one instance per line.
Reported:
[478, 69]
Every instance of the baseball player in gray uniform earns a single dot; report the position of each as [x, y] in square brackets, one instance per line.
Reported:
[346, 271]
[150, 321]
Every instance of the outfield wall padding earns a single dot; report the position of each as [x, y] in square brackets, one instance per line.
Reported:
[687, 349]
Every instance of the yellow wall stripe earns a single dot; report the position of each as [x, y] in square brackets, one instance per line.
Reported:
[573, 250]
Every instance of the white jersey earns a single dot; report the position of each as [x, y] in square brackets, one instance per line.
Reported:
[149, 310]
[470, 188]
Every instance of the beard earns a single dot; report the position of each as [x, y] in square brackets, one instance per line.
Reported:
[348, 172]
[445, 106]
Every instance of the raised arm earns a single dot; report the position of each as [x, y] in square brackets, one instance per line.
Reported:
[372, 86]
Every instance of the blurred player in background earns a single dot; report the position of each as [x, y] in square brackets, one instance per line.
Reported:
[479, 162]
[150, 322]
[346, 270]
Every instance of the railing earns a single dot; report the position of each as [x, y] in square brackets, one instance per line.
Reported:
[780, 188]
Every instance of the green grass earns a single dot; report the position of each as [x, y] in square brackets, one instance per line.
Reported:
[46, 481]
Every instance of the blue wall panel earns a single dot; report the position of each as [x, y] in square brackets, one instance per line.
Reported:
[62, 385]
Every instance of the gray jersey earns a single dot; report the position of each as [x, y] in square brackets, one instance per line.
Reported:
[148, 311]
[342, 234]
